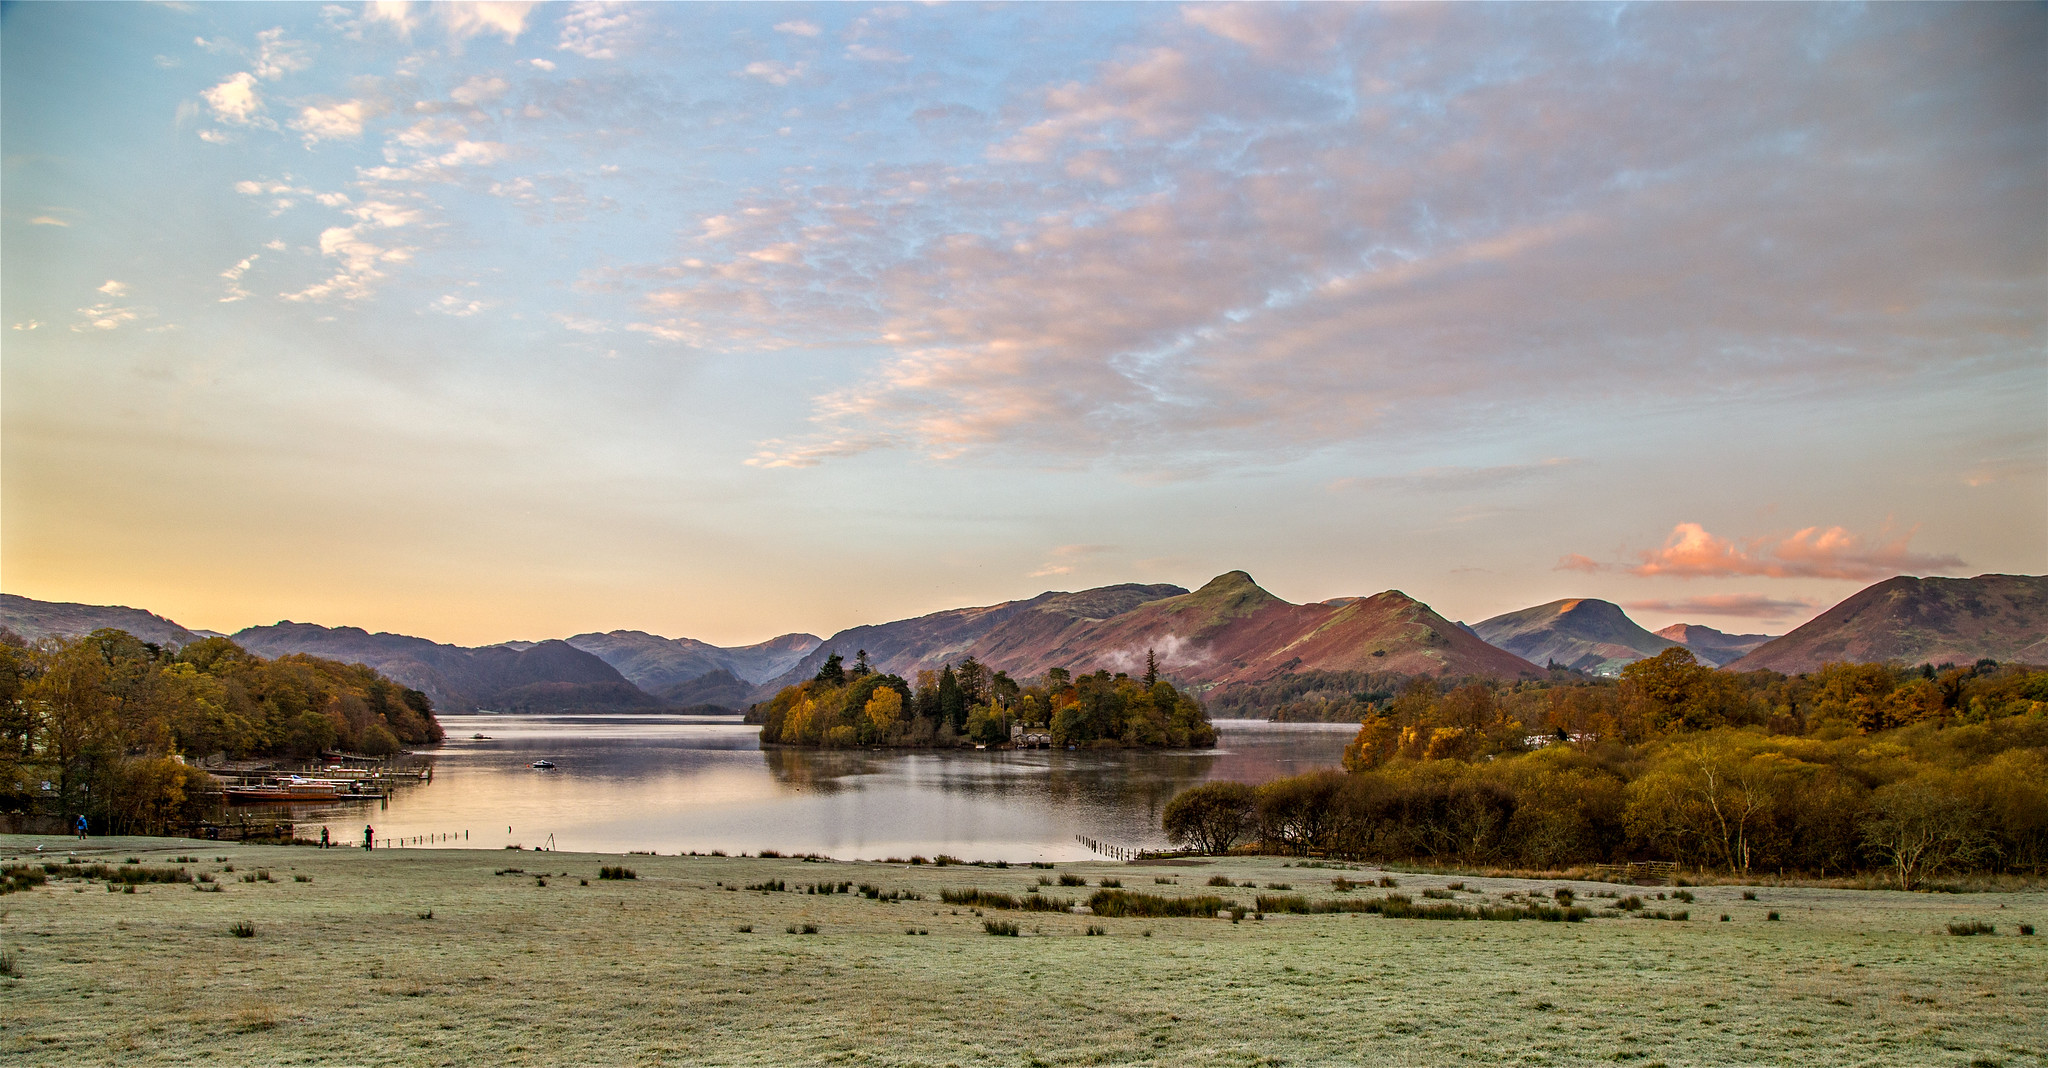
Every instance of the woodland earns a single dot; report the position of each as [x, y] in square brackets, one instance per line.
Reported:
[1856, 768]
[98, 724]
[845, 706]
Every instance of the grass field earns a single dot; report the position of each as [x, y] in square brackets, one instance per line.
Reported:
[421, 957]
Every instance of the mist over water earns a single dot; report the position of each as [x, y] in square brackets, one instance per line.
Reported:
[676, 784]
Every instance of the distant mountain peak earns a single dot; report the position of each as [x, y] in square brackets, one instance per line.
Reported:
[1583, 633]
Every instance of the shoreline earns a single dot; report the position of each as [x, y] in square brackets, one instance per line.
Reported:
[458, 956]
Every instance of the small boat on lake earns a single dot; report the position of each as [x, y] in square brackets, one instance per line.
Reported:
[542, 765]
[480, 737]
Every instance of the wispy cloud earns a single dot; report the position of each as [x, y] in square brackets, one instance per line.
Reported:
[1744, 605]
[1692, 551]
[1064, 559]
[598, 30]
[1458, 477]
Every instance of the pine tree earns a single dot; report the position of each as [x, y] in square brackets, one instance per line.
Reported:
[1151, 669]
[834, 671]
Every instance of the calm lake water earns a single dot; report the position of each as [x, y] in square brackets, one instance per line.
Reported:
[676, 784]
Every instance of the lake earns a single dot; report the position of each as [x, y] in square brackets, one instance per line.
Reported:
[675, 784]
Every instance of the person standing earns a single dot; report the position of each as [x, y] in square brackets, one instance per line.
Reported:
[369, 837]
[323, 837]
[81, 825]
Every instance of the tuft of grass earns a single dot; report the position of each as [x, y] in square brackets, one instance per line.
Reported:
[1749, 895]
[10, 966]
[745, 928]
[242, 929]
[1971, 927]
[302, 878]
[1110, 882]
[1682, 895]
[1440, 895]
[2027, 929]
[1771, 916]
[208, 887]
[427, 915]
[1068, 878]
[1389, 881]
[1096, 930]
[1001, 928]
[1724, 917]
[774, 885]
[611, 871]
[1220, 880]
[1454, 886]
[1162, 880]
[1279, 886]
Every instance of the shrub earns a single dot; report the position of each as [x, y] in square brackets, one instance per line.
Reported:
[616, 872]
[1211, 818]
[768, 853]
[1564, 894]
[1971, 927]
[1003, 928]
[242, 929]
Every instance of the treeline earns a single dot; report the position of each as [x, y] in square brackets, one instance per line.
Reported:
[100, 719]
[855, 706]
[1858, 766]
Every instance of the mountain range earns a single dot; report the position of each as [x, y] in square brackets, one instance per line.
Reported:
[1227, 633]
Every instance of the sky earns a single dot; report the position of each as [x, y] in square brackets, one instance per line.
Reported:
[494, 321]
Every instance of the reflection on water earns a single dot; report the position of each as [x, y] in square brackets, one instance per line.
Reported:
[676, 784]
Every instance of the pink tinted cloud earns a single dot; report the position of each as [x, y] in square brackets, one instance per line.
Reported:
[1692, 551]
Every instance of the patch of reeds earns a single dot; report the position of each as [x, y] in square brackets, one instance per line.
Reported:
[1402, 907]
[1130, 903]
[20, 877]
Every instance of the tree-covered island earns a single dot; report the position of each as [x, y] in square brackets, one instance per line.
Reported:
[968, 704]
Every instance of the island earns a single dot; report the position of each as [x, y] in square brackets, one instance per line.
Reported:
[843, 707]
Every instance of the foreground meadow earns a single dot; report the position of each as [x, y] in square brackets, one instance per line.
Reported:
[422, 957]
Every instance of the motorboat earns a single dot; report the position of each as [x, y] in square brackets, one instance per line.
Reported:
[480, 737]
[542, 765]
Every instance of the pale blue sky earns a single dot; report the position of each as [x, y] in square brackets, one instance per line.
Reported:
[493, 321]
